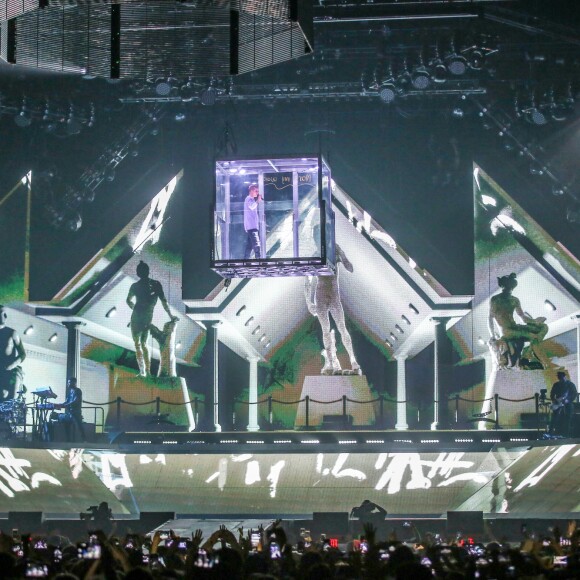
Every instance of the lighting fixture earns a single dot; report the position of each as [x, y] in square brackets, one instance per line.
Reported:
[399, 329]
[163, 87]
[413, 308]
[549, 306]
[456, 64]
[387, 92]
[256, 330]
[388, 343]
[208, 96]
[53, 337]
[29, 330]
[262, 338]
[480, 340]
[406, 319]
[248, 321]
[112, 312]
[420, 77]
[393, 336]
[438, 67]
[23, 118]
[240, 310]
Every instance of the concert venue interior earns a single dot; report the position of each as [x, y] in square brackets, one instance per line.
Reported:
[409, 156]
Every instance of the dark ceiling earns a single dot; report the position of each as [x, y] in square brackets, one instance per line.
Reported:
[377, 96]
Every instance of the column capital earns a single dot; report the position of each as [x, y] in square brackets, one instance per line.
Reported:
[72, 324]
[401, 357]
[253, 358]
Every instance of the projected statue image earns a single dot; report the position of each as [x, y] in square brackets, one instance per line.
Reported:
[508, 346]
[323, 300]
[12, 354]
[142, 298]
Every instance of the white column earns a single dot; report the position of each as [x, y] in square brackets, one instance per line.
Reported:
[401, 424]
[577, 350]
[435, 424]
[216, 393]
[253, 395]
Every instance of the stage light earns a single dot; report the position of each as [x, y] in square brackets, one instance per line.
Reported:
[208, 96]
[109, 174]
[267, 345]
[387, 92]
[412, 263]
[53, 337]
[476, 58]
[247, 323]
[29, 330]
[388, 343]
[163, 87]
[74, 221]
[262, 338]
[240, 310]
[413, 308]
[23, 118]
[406, 319]
[480, 340]
[573, 215]
[112, 312]
[534, 115]
[73, 125]
[558, 190]
[178, 345]
[256, 330]
[399, 329]
[456, 64]
[420, 78]
[393, 336]
[87, 194]
[549, 306]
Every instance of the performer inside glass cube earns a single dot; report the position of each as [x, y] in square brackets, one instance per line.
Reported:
[252, 222]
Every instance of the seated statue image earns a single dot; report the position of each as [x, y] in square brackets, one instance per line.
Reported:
[323, 300]
[507, 346]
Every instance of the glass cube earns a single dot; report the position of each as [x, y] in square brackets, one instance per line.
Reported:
[292, 220]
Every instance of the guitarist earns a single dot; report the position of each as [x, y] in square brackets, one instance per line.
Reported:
[563, 396]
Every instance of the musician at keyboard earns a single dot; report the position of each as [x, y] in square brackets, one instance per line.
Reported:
[73, 415]
[563, 396]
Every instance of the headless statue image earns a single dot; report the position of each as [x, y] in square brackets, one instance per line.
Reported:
[508, 345]
[142, 298]
[323, 300]
[12, 354]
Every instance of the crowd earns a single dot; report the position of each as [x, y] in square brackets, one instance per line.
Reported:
[267, 554]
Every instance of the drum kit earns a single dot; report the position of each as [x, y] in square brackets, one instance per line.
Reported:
[13, 415]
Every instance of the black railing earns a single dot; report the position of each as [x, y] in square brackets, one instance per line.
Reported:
[385, 411]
